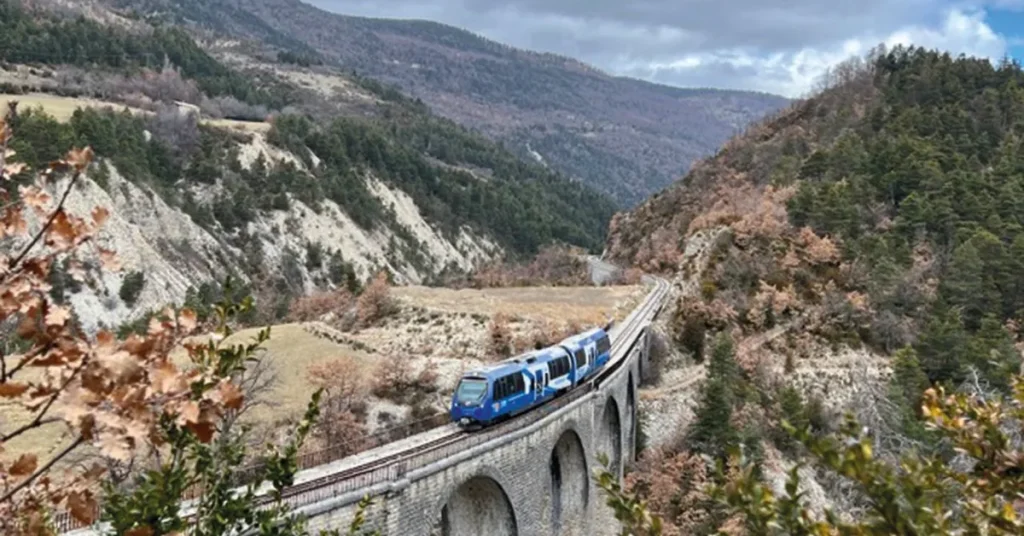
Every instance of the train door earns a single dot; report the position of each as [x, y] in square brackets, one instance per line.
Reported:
[582, 364]
[603, 348]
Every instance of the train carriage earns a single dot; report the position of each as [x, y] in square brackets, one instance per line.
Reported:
[591, 351]
[490, 394]
[494, 393]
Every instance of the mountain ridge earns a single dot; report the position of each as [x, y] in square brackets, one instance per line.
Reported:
[294, 178]
[626, 136]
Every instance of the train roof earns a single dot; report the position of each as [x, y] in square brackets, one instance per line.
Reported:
[497, 370]
[493, 371]
[547, 353]
[515, 363]
[590, 334]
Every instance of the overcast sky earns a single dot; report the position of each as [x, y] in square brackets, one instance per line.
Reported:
[778, 46]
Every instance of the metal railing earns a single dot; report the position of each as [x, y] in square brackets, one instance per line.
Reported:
[65, 522]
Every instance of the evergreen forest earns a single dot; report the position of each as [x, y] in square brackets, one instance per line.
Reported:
[936, 163]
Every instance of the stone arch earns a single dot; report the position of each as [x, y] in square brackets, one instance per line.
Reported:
[569, 482]
[478, 506]
[609, 437]
[631, 422]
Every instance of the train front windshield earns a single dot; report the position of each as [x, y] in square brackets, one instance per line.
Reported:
[471, 391]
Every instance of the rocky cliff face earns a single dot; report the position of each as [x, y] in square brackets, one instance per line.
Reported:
[174, 253]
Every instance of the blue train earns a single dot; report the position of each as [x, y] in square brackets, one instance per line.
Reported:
[500, 391]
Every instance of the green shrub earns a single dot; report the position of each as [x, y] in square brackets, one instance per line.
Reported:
[131, 287]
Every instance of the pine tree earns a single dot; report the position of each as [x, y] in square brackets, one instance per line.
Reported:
[792, 411]
[992, 353]
[713, 432]
[1014, 297]
[963, 285]
[723, 361]
[942, 346]
[908, 380]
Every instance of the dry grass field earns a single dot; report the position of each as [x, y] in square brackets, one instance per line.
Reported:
[580, 304]
[291, 350]
[61, 108]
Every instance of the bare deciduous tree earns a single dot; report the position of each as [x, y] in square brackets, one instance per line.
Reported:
[345, 387]
[107, 394]
[177, 128]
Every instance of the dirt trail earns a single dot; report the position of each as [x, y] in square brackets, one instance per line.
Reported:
[697, 372]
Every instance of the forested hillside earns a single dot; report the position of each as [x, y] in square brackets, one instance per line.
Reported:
[28, 39]
[911, 166]
[883, 215]
[626, 137]
[307, 187]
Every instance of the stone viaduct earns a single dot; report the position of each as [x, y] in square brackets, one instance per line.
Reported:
[530, 476]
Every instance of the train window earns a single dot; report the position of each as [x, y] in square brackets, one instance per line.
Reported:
[603, 344]
[560, 367]
[581, 358]
[471, 391]
[507, 386]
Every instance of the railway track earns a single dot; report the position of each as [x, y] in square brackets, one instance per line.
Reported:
[393, 466]
[623, 342]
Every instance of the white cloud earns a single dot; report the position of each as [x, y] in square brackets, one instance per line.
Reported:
[779, 46]
[794, 73]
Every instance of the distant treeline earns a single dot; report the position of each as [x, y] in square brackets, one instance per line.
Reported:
[26, 38]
